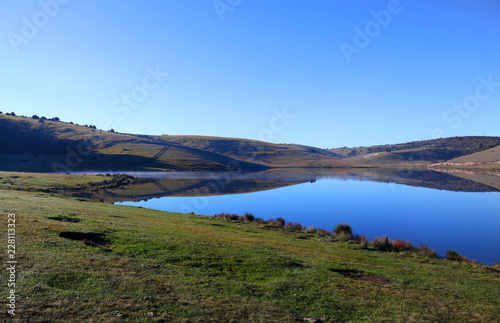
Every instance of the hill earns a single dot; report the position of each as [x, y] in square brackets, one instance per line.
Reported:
[417, 153]
[489, 155]
[487, 160]
[30, 144]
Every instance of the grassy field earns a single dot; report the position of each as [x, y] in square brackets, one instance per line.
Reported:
[95, 262]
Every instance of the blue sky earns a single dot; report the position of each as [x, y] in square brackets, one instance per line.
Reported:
[321, 73]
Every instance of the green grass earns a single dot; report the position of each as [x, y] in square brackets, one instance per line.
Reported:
[188, 268]
[40, 181]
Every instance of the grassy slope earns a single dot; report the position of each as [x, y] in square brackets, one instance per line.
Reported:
[271, 155]
[490, 155]
[418, 153]
[185, 267]
[487, 160]
[28, 145]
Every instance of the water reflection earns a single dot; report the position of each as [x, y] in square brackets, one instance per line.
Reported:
[192, 184]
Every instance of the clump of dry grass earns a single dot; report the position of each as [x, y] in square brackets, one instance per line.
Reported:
[400, 245]
[424, 250]
[311, 229]
[343, 232]
[323, 232]
[362, 240]
[383, 243]
[298, 227]
[454, 256]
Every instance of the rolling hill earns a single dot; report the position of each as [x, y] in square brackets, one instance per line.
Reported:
[486, 160]
[42, 145]
[489, 155]
[30, 144]
[419, 153]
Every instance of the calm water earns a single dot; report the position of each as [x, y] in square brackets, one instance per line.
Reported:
[374, 204]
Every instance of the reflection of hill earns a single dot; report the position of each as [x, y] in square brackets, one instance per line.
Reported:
[190, 184]
[202, 184]
[486, 178]
[430, 179]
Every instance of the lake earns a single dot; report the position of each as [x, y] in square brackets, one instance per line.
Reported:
[459, 211]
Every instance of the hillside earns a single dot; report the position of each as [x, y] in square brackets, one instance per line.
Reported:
[37, 145]
[487, 160]
[417, 153]
[489, 155]
[46, 145]
[270, 155]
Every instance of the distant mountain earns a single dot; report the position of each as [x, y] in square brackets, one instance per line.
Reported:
[418, 153]
[42, 145]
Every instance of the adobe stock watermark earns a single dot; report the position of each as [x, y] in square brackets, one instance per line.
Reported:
[74, 157]
[31, 26]
[11, 261]
[130, 101]
[122, 107]
[223, 6]
[456, 115]
[372, 29]
[277, 123]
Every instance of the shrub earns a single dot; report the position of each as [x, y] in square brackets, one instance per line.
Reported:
[249, 217]
[322, 232]
[260, 221]
[290, 227]
[298, 227]
[343, 229]
[424, 250]
[311, 229]
[382, 243]
[281, 222]
[362, 240]
[400, 245]
[343, 236]
[241, 218]
[452, 255]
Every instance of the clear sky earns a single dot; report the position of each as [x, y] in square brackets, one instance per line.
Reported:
[324, 73]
